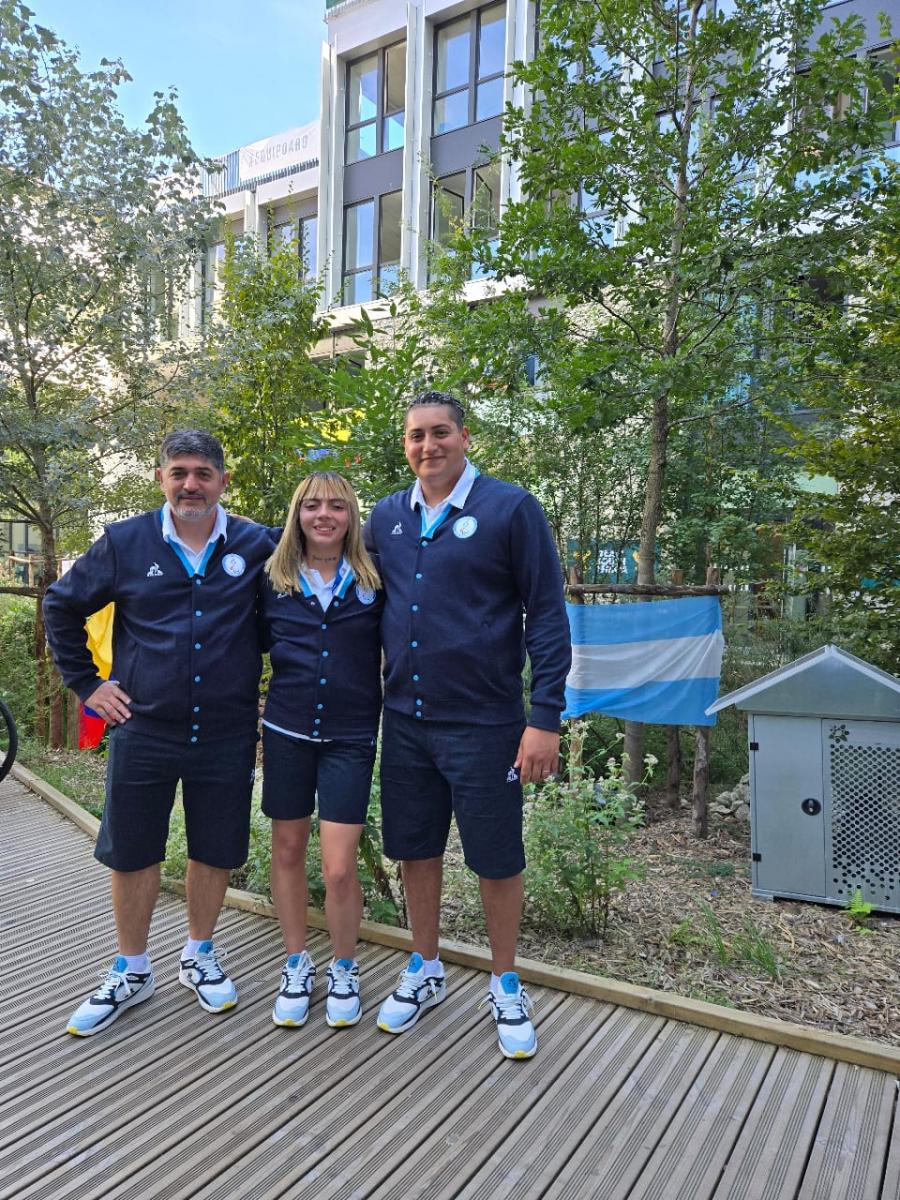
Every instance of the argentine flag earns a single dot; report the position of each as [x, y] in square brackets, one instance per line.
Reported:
[657, 662]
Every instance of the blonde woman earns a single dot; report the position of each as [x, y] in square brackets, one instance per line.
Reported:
[321, 611]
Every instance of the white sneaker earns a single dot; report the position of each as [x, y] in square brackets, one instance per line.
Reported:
[203, 975]
[342, 1004]
[415, 993]
[119, 990]
[511, 1009]
[292, 1003]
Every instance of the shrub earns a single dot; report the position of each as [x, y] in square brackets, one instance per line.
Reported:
[17, 666]
[576, 833]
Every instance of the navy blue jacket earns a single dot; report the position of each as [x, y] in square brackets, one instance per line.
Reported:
[186, 650]
[326, 665]
[464, 605]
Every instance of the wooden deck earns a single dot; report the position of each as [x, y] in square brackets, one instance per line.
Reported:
[171, 1102]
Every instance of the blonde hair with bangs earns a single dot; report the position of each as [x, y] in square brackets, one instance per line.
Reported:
[283, 568]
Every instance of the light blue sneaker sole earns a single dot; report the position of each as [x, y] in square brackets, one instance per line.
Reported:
[342, 1022]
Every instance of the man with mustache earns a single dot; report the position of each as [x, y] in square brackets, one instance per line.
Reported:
[182, 707]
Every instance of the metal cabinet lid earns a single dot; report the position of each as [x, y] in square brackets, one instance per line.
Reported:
[829, 682]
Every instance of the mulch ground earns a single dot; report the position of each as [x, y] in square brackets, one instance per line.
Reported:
[799, 962]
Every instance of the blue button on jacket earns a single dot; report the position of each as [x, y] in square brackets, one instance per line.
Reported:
[489, 588]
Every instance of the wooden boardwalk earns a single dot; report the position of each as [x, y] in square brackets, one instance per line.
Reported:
[171, 1102]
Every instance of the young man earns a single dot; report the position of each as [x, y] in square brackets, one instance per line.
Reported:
[464, 558]
[182, 705]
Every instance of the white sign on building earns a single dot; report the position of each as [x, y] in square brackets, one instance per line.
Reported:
[283, 150]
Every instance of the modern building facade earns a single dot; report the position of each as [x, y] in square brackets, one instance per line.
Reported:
[412, 96]
[412, 93]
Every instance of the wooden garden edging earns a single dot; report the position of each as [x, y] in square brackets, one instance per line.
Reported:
[835, 1046]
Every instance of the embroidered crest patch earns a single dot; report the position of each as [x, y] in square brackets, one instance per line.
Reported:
[365, 595]
[233, 564]
[465, 527]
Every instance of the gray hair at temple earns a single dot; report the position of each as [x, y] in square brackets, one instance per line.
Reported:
[430, 398]
[196, 442]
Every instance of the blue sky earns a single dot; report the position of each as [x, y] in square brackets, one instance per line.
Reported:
[243, 70]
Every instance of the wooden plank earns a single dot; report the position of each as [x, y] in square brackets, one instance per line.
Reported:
[837, 1046]
[230, 1107]
[74, 812]
[891, 1187]
[602, 1131]
[770, 1156]
[412, 1089]
[851, 1145]
[99, 1141]
[42, 1044]
[688, 1161]
[464, 1103]
[338, 1081]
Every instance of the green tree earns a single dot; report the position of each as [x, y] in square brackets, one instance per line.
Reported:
[851, 385]
[687, 179]
[98, 222]
[258, 375]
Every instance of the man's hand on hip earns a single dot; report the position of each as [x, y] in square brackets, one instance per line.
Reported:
[110, 703]
[538, 755]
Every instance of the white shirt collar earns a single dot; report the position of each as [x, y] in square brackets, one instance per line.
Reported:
[457, 497]
[170, 533]
[317, 585]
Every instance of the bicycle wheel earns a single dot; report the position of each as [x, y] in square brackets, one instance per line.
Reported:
[9, 740]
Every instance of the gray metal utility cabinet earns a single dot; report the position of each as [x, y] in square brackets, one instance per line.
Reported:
[824, 779]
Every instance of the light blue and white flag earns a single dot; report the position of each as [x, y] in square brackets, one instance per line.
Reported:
[657, 662]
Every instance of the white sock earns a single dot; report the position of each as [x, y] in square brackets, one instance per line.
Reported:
[191, 946]
[139, 964]
[434, 967]
[495, 984]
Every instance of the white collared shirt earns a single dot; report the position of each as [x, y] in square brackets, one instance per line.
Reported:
[194, 557]
[457, 497]
[317, 585]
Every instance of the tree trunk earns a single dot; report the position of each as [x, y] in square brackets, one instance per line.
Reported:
[40, 673]
[47, 701]
[701, 782]
[673, 766]
[56, 739]
[73, 722]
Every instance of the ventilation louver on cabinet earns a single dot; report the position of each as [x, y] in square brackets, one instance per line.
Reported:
[865, 820]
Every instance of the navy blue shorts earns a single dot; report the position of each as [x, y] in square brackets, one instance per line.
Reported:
[295, 771]
[141, 777]
[434, 770]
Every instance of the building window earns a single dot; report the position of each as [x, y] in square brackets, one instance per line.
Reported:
[307, 245]
[469, 65]
[305, 231]
[594, 217]
[372, 263]
[213, 263]
[376, 90]
[389, 233]
[359, 241]
[885, 64]
[471, 196]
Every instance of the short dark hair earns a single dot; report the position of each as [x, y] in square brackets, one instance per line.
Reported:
[192, 441]
[430, 398]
